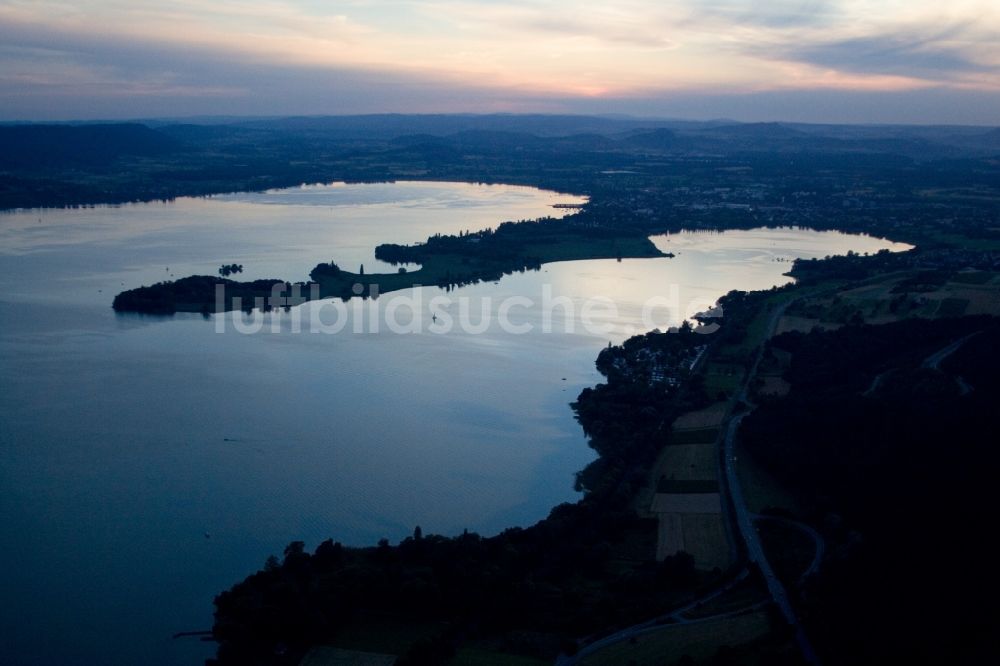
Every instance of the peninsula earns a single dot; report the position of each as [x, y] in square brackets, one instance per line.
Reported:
[445, 261]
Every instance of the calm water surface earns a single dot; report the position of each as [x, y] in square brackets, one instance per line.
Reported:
[146, 463]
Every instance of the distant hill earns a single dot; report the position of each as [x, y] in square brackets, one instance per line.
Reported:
[495, 139]
[192, 133]
[601, 133]
[657, 139]
[987, 142]
[391, 126]
[45, 146]
[826, 139]
[755, 131]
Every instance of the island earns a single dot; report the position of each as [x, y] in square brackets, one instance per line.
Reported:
[445, 261]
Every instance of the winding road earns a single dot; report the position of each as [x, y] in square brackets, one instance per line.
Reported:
[673, 618]
[819, 543]
[744, 521]
[735, 504]
[744, 518]
[932, 362]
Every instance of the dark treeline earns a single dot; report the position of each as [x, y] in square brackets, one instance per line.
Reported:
[936, 266]
[627, 418]
[524, 241]
[535, 587]
[900, 475]
[195, 294]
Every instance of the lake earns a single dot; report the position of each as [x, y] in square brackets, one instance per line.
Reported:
[148, 463]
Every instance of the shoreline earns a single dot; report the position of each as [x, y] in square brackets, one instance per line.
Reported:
[469, 263]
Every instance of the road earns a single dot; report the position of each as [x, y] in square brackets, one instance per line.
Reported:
[876, 383]
[819, 543]
[673, 618]
[934, 360]
[639, 630]
[745, 519]
[931, 362]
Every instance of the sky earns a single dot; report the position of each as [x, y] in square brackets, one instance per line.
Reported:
[855, 61]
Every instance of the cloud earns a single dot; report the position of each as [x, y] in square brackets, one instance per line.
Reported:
[940, 55]
[116, 77]
[114, 58]
[641, 36]
[626, 23]
[773, 14]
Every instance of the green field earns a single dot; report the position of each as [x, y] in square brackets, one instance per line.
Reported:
[694, 436]
[892, 297]
[690, 461]
[709, 417]
[385, 637]
[972, 277]
[953, 307]
[468, 656]
[722, 378]
[748, 592]
[698, 641]
[570, 247]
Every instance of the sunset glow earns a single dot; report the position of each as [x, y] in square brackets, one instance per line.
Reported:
[115, 58]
